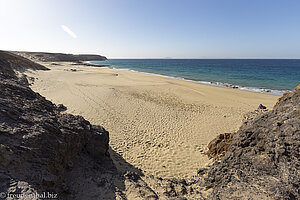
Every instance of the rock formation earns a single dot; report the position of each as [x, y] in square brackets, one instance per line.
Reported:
[219, 146]
[58, 57]
[263, 161]
[38, 142]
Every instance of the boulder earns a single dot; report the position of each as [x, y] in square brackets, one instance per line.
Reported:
[219, 146]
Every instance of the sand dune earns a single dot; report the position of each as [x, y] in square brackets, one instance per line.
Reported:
[158, 124]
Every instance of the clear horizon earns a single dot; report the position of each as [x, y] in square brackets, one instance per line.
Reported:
[154, 29]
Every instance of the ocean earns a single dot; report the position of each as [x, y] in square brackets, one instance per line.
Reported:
[273, 76]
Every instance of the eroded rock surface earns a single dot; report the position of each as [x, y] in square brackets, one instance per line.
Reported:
[219, 146]
[263, 161]
[37, 142]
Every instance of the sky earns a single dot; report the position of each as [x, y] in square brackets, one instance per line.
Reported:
[153, 28]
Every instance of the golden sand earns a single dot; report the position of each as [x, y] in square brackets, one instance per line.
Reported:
[160, 125]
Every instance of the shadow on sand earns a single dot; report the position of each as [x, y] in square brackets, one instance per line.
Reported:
[90, 179]
[86, 179]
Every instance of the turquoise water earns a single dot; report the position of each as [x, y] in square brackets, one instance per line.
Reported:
[273, 76]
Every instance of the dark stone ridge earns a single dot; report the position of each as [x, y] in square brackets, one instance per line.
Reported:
[218, 147]
[263, 161]
[10, 62]
[37, 142]
[58, 57]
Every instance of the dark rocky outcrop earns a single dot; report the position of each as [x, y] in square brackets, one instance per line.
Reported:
[263, 161]
[11, 63]
[38, 142]
[58, 57]
[218, 147]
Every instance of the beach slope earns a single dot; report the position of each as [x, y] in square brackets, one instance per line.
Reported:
[158, 124]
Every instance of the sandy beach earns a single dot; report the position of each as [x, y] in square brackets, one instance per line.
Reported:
[158, 124]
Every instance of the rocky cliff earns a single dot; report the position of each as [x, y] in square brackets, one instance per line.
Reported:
[38, 143]
[58, 57]
[263, 160]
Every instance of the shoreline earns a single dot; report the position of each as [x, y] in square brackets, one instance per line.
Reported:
[262, 90]
[216, 84]
[158, 124]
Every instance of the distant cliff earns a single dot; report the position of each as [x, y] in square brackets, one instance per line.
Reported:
[58, 57]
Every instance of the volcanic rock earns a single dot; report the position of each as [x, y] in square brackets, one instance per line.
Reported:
[37, 141]
[263, 160]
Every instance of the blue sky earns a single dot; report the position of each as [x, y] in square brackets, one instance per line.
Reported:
[154, 28]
